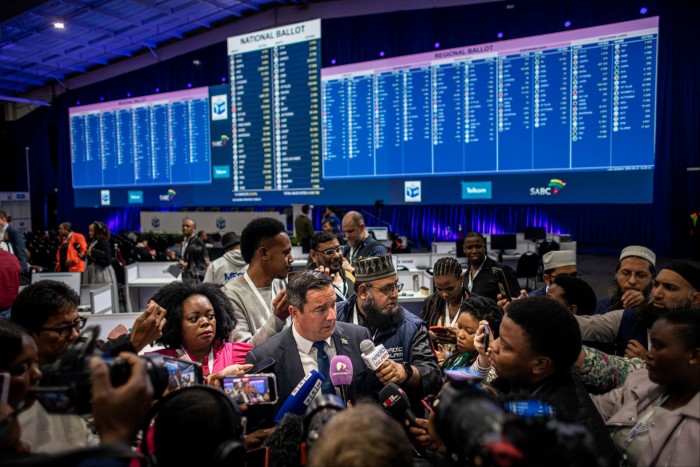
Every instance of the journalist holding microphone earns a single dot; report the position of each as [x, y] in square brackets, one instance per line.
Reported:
[311, 346]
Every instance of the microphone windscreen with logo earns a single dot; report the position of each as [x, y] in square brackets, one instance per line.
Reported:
[341, 370]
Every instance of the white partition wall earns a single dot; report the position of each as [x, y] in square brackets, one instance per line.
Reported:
[221, 222]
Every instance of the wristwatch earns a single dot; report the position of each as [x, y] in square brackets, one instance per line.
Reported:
[409, 371]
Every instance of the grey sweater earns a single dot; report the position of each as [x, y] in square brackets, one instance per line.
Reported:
[254, 322]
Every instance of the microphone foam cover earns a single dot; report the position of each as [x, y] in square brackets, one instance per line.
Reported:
[366, 346]
[341, 370]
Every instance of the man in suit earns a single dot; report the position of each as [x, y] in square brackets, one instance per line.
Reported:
[314, 333]
[479, 278]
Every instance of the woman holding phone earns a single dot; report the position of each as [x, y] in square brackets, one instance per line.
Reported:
[440, 310]
[472, 312]
[200, 320]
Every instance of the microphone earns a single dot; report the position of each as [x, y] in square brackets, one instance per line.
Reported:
[373, 355]
[395, 400]
[341, 374]
[302, 395]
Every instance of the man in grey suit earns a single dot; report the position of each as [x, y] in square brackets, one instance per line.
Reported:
[296, 349]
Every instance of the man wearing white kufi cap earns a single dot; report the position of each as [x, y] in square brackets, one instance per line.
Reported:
[556, 263]
[634, 276]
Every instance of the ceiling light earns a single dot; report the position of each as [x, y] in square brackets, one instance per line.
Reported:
[59, 25]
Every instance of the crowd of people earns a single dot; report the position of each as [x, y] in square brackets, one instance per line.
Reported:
[550, 376]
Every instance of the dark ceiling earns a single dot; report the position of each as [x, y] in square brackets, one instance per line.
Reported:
[34, 53]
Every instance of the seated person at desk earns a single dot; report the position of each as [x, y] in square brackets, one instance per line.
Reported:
[480, 279]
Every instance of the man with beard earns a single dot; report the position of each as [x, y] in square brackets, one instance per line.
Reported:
[479, 278]
[677, 286]
[405, 336]
[327, 253]
[633, 280]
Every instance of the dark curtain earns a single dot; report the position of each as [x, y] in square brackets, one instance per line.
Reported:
[661, 225]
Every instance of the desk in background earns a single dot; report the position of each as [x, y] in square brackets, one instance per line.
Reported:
[142, 280]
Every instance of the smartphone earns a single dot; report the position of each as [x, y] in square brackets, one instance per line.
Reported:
[182, 373]
[487, 333]
[261, 366]
[502, 283]
[438, 329]
[251, 389]
[4, 386]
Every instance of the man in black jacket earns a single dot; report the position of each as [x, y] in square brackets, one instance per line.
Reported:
[479, 278]
[539, 342]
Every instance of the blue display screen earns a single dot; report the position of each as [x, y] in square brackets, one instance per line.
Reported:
[564, 118]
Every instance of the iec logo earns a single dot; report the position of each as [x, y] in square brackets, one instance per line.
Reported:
[477, 190]
[155, 223]
[553, 187]
[221, 223]
[104, 198]
[219, 107]
[412, 192]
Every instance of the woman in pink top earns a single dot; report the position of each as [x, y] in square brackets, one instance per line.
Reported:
[199, 321]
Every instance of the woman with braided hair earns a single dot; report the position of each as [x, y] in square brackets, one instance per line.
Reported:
[442, 307]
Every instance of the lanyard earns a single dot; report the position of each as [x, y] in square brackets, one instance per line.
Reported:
[354, 316]
[643, 424]
[452, 322]
[341, 293]
[471, 279]
[257, 294]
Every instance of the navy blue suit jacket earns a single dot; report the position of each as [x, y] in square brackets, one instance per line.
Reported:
[289, 370]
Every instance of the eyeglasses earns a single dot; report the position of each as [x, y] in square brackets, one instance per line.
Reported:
[329, 251]
[211, 316]
[641, 275]
[65, 331]
[389, 289]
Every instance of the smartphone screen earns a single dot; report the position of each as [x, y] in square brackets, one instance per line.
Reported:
[182, 373]
[502, 283]
[252, 389]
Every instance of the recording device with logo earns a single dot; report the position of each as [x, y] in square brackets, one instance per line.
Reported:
[254, 389]
[374, 356]
[502, 283]
[65, 386]
[302, 395]
[341, 375]
[476, 427]
[395, 400]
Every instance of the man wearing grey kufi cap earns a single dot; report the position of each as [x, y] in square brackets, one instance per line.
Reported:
[412, 364]
[634, 275]
[556, 263]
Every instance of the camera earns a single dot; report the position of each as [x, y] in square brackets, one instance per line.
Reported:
[320, 411]
[65, 386]
[479, 429]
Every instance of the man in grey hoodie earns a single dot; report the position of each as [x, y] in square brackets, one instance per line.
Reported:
[230, 265]
[259, 296]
